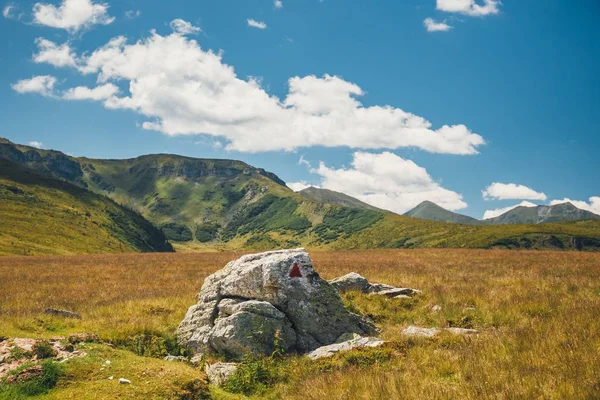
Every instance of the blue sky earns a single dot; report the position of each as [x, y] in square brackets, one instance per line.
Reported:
[360, 94]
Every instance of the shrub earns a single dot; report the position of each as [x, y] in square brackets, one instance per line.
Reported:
[196, 389]
[254, 375]
[40, 381]
[207, 232]
[150, 345]
[177, 233]
[43, 349]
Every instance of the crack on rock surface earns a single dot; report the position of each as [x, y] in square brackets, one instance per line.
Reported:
[264, 298]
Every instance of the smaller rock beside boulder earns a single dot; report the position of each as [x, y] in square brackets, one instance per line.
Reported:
[330, 350]
[62, 313]
[397, 292]
[351, 281]
[218, 373]
[357, 282]
[431, 332]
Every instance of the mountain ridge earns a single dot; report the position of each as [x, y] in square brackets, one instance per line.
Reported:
[333, 197]
[213, 204]
[542, 214]
[562, 212]
[44, 215]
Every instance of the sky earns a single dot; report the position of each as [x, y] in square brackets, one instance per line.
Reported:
[476, 105]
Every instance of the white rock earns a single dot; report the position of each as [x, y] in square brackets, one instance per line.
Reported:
[110, 378]
[351, 281]
[397, 292]
[263, 298]
[218, 373]
[436, 308]
[124, 381]
[107, 362]
[431, 332]
[175, 358]
[421, 332]
[462, 331]
[330, 350]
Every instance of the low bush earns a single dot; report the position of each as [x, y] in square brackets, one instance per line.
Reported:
[43, 349]
[30, 380]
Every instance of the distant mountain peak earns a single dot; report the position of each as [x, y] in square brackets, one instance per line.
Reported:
[432, 211]
[541, 214]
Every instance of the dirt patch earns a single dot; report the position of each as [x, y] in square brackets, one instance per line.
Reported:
[19, 351]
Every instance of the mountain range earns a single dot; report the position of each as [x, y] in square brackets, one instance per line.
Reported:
[205, 204]
[519, 215]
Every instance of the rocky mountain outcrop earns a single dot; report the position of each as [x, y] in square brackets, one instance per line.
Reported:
[267, 301]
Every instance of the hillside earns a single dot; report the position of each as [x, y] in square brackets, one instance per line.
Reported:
[203, 204]
[43, 215]
[332, 197]
[433, 212]
[542, 214]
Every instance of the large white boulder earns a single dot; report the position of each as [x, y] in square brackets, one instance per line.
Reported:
[268, 300]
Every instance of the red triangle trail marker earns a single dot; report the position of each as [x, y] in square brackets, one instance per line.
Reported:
[295, 271]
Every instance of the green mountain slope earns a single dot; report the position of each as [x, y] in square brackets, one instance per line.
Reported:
[225, 204]
[332, 197]
[406, 232]
[433, 212]
[542, 214]
[43, 215]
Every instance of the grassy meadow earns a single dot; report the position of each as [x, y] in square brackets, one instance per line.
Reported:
[537, 312]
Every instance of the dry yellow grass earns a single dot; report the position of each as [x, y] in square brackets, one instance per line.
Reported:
[538, 313]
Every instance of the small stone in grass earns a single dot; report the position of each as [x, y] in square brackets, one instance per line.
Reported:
[124, 381]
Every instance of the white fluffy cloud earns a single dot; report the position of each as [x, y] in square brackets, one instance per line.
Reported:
[182, 89]
[256, 24]
[298, 186]
[511, 191]
[36, 144]
[592, 206]
[183, 27]
[500, 211]
[7, 11]
[432, 26]
[42, 84]
[72, 15]
[278, 4]
[471, 8]
[98, 93]
[387, 181]
[51, 53]
[131, 14]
